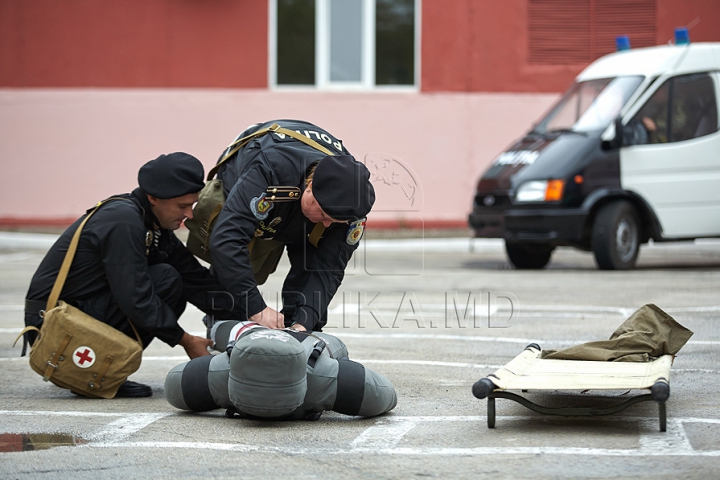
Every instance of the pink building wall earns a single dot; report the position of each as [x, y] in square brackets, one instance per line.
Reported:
[91, 89]
[62, 150]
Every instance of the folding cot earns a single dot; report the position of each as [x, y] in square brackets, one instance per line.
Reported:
[528, 371]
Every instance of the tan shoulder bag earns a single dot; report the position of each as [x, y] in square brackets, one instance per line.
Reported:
[74, 350]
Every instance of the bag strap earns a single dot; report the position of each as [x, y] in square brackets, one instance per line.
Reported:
[319, 228]
[274, 128]
[65, 267]
[302, 138]
[52, 364]
[310, 334]
[100, 375]
[316, 234]
[24, 331]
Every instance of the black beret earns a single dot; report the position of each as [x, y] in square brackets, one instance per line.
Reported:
[172, 175]
[341, 185]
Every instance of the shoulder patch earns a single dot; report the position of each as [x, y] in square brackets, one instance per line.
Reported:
[355, 231]
[260, 207]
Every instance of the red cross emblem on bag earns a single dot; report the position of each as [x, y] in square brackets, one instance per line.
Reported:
[83, 357]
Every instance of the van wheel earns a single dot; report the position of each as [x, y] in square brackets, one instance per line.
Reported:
[528, 255]
[616, 236]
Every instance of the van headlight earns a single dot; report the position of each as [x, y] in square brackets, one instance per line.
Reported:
[540, 191]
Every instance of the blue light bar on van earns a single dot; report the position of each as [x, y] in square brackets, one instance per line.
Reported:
[682, 37]
[622, 42]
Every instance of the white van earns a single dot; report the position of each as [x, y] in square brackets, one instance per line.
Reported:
[631, 152]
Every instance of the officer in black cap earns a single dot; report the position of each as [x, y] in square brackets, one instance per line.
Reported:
[283, 192]
[130, 267]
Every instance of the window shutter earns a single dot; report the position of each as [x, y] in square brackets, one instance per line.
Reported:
[580, 31]
[559, 31]
[635, 18]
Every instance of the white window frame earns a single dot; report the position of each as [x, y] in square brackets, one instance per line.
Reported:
[322, 52]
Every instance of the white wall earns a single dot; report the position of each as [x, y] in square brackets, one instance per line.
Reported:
[62, 150]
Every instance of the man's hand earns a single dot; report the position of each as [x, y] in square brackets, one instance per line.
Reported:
[269, 318]
[649, 124]
[195, 346]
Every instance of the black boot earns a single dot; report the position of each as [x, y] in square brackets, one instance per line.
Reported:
[131, 389]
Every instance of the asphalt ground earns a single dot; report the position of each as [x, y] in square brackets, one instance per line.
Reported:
[397, 311]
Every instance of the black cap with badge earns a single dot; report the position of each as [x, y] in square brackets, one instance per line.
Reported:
[341, 185]
[172, 175]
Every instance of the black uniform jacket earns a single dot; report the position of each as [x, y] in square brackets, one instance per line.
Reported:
[116, 248]
[316, 273]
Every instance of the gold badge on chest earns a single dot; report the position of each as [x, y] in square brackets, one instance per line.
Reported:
[148, 241]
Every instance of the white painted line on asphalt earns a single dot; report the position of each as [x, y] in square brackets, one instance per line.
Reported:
[427, 363]
[430, 336]
[230, 447]
[11, 308]
[124, 427]
[351, 307]
[426, 336]
[176, 360]
[464, 338]
[384, 435]
[672, 440]
[15, 257]
[52, 413]
[395, 362]
[708, 308]
[474, 338]
[693, 370]
[116, 431]
[436, 245]
[27, 240]
[439, 316]
[651, 445]
[406, 245]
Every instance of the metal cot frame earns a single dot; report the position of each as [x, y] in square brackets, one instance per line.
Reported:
[528, 372]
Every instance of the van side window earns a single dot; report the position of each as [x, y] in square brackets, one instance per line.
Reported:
[683, 108]
[650, 124]
[694, 106]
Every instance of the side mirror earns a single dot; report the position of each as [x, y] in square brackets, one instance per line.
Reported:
[617, 140]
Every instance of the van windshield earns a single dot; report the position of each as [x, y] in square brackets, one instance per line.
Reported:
[589, 105]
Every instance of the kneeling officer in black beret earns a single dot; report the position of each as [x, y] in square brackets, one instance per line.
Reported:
[289, 185]
[129, 264]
